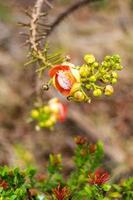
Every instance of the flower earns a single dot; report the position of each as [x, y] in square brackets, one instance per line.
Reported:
[99, 177]
[4, 184]
[108, 90]
[60, 193]
[58, 108]
[80, 140]
[64, 76]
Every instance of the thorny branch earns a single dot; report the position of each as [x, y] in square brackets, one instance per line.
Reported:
[68, 11]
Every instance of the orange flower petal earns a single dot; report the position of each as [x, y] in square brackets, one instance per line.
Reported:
[55, 69]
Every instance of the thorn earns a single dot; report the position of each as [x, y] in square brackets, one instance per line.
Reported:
[28, 14]
[43, 14]
[22, 33]
[27, 42]
[48, 3]
[23, 24]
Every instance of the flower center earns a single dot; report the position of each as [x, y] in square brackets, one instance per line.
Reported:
[65, 80]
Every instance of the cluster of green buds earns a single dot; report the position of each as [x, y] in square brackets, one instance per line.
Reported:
[48, 115]
[81, 83]
[98, 78]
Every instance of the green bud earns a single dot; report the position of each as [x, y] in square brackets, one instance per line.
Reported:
[34, 114]
[92, 79]
[105, 64]
[112, 62]
[109, 90]
[89, 59]
[88, 86]
[114, 80]
[46, 109]
[97, 92]
[48, 123]
[114, 75]
[106, 76]
[95, 64]
[107, 58]
[84, 71]
[41, 124]
[79, 96]
[117, 58]
[118, 67]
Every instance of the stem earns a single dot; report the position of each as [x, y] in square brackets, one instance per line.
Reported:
[68, 11]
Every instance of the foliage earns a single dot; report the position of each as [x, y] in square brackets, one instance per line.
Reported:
[87, 181]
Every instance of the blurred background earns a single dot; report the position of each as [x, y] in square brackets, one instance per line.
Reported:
[100, 29]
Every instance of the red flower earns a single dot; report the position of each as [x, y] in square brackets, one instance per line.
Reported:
[80, 140]
[60, 193]
[99, 177]
[4, 184]
[58, 108]
[64, 77]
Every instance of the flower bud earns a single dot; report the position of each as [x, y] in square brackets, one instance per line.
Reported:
[88, 86]
[92, 148]
[49, 123]
[41, 124]
[114, 80]
[107, 58]
[114, 75]
[80, 140]
[79, 96]
[89, 59]
[95, 64]
[84, 71]
[118, 67]
[97, 92]
[34, 114]
[75, 87]
[46, 109]
[92, 79]
[109, 90]
[105, 64]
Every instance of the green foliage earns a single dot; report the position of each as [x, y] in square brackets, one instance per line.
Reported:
[16, 184]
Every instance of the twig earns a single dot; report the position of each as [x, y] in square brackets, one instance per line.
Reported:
[68, 11]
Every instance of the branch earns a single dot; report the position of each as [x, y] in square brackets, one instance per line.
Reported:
[68, 11]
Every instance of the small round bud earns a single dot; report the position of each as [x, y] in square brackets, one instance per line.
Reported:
[112, 62]
[45, 87]
[88, 86]
[97, 92]
[106, 76]
[34, 114]
[89, 59]
[114, 80]
[75, 87]
[114, 75]
[41, 124]
[84, 71]
[79, 96]
[95, 64]
[107, 58]
[46, 109]
[105, 64]
[92, 79]
[118, 67]
[48, 123]
[109, 90]
[117, 58]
